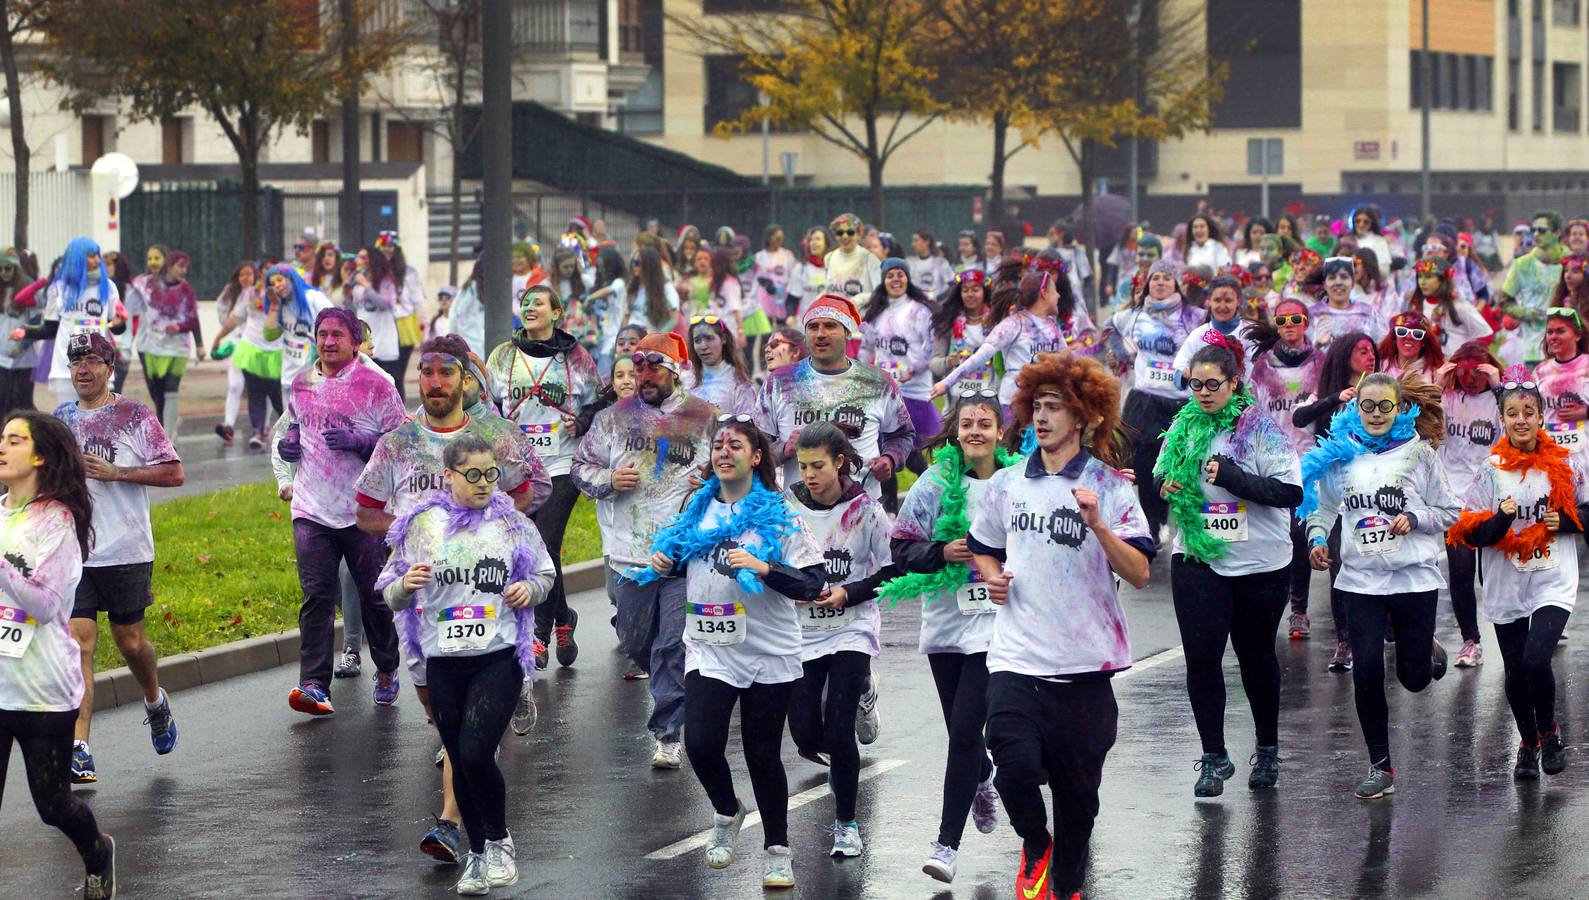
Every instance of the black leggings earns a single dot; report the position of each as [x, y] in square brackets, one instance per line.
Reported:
[962, 680]
[16, 390]
[1340, 610]
[552, 520]
[46, 742]
[1526, 646]
[262, 391]
[1057, 733]
[472, 699]
[1245, 609]
[159, 387]
[1464, 563]
[1301, 568]
[1148, 416]
[708, 705]
[1413, 618]
[829, 727]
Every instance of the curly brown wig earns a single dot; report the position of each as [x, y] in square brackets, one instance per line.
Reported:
[1090, 392]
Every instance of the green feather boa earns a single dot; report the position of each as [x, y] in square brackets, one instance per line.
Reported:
[1181, 460]
[949, 469]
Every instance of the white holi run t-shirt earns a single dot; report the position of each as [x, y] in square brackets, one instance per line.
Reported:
[958, 621]
[900, 343]
[1472, 427]
[407, 466]
[41, 666]
[1020, 336]
[1280, 389]
[90, 315]
[1154, 338]
[540, 393]
[853, 538]
[854, 274]
[1063, 616]
[861, 400]
[965, 338]
[735, 637]
[126, 433]
[1367, 494]
[356, 399]
[1515, 588]
[297, 336]
[461, 612]
[1564, 383]
[1257, 537]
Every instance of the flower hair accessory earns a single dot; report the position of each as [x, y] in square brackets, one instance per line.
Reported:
[1240, 273]
[1431, 266]
[1190, 280]
[387, 239]
[1054, 265]
[972, 277]
[1575, 261]
[1305, 257]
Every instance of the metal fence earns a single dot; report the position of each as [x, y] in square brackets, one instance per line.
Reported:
[312, 211]
[203, 219]
[545, 216]
[59, 209]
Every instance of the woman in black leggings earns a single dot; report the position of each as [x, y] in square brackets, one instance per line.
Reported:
[44, 537]
[1377, 476]
[1524, 513]
[1231, 478]
[929, 542]
[747, 558]
[476, 568]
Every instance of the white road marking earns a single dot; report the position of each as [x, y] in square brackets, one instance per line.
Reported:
[1157, 659]
[698, 841]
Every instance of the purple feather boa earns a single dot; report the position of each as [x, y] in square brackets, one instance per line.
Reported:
[463, 518]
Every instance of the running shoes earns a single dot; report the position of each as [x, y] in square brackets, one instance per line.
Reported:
[667, 755]
[473, 882]
[501, 863]
[347, 664]
[526, 713]
[100, 884]
[941, 864]
[1265, 764]
[867, 721]
[1381, 782]
[779, 871]
[985, 807]
[310, 698]
[1031, 880]
[1471, 656]
[847, 839]
[162, 728]
[1342, 660]
[1527, 766]
[1298, 626]
[83, 764]
[567, 650]
[725, 830]
[1553, 752]
[386, 687]
[443, 843]
[1214, 770]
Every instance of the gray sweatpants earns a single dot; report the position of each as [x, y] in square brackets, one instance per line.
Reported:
[651, 632]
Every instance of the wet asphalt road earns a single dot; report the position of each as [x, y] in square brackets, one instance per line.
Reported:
[259, 801]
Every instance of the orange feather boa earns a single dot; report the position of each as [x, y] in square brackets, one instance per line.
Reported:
[1548, 457]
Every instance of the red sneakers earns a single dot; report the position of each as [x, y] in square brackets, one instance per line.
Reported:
[1031, 881]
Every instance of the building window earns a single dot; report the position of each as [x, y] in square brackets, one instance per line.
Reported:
[1537, 89]
[171, 141]
[405, 142]
[1514, 74]
[727, 95]
[1566, 86]
[736, 6]
[320, 141]
[1565, 12]
[1483, 86]
[96, 134]
[1262, 43]
[1456, 81]
[1415, 79]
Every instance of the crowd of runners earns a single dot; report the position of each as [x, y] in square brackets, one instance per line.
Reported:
[1342, 395]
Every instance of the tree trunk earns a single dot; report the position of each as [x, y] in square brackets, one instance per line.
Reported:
[460, 72]
[1001, 129]
[248, 161]
[19, 142]
[874, 169]
[1084, 167]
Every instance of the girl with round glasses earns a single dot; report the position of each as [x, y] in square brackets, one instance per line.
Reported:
[1378, 474]
[1231, 478]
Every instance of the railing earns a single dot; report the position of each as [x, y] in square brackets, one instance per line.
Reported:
[59, 209]
[558, 26]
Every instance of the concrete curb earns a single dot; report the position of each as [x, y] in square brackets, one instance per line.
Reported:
[117, 687]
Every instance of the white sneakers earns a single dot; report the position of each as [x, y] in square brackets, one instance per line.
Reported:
[779, 872]
[497, 867]
[666, 755]
[867, 721]
[725, 830]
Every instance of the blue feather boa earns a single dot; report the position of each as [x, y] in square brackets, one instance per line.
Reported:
[763, 512]
[1347, 441]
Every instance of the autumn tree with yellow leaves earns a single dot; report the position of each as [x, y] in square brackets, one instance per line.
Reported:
[859, 74]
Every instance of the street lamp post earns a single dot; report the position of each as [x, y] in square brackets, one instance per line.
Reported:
[1425, 90]
[764, 101]
[496, 136]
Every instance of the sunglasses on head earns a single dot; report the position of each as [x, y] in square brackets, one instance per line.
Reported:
[1520, 386]
[978, 394]
[1403, 331]
[843, 232]
[1198, 385]
[1295, 319]
[704, 320]
[1383, 406]
[1565, 312]
[642, 357]
[473, 476]
[731, 418]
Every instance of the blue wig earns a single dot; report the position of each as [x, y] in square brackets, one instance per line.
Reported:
[300, 300]
[73, 276]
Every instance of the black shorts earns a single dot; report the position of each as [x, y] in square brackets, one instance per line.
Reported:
[122, 593]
